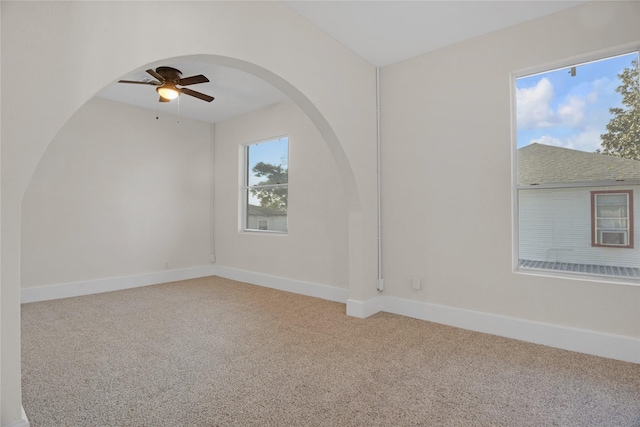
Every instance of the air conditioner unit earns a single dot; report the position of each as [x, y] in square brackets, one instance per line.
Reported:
[614, 238]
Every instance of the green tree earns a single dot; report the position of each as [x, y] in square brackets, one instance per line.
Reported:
[623, 131]
[271, 197]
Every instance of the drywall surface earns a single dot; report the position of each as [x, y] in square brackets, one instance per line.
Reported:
[315, 248]
[446, 142]
[68, 51]
[117, 193]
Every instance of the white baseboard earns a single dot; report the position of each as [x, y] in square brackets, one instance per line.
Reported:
[66, 290]
[331, 293]
[74, 289]
[363, 309]
[580, 340]
[585, 341]
[23, 422]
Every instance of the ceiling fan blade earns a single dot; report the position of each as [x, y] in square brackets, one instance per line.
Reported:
[140, 83]
[193, 80]
[164, 100]
[156, 75]
[199, 95]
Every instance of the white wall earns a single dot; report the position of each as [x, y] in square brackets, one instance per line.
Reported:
[58, 55]
[446, 172]
[118, 193]
[315, 249]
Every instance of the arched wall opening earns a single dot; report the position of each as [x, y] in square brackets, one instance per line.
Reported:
[118, 193]
[94, 42]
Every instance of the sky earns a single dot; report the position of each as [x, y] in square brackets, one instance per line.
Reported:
[555, 108]
[275, 152]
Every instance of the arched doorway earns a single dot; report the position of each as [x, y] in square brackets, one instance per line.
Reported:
[119, 194]
[97, 42]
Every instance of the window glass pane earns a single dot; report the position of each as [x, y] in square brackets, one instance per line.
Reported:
[565, 116]
[611, 224]
[612, 211]
[612, 199]
[575, 133]
[266, 190]
[268, 162]
[267, 209]
[274, 198]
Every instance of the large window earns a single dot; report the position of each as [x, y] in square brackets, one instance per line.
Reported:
[266, 186]
[578, 168]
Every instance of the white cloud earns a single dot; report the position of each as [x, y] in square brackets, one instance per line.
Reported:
[551, 140]
[571, 111]
[588, 140]
[603, 85]
[535, 106]
[532, 105]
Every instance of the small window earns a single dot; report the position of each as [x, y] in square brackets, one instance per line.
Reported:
[612, 218]
[266, 186]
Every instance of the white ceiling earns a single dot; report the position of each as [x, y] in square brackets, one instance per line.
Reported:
[382, 32]
[235, 93]
[385, 32]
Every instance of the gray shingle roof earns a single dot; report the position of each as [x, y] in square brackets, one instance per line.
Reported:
[545, 164]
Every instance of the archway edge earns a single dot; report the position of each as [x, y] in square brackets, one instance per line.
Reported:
[305, 104]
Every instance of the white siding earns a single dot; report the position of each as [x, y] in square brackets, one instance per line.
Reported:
[555, 225]
[275, 223]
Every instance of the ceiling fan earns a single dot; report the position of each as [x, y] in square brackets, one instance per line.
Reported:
[167, 80]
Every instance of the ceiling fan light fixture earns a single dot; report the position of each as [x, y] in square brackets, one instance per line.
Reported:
[166, 80]
[168, 91]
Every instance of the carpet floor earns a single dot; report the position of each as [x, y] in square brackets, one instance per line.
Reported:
[216, 352]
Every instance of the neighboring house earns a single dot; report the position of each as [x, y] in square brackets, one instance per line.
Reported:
[568, 213]
[263, 218]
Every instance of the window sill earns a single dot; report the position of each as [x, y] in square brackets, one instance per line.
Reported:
[265, 232]
[591, 272]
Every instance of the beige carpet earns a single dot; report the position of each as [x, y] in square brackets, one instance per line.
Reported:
[214, 352]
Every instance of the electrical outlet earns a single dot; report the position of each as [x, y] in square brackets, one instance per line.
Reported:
[166, 265]
[416, 283]
[213, 259]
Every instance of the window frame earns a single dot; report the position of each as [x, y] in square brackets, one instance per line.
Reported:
[245, 188]
[594, 228]
[567, 62]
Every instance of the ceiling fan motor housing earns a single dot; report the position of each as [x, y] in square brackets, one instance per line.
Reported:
[169, 73]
